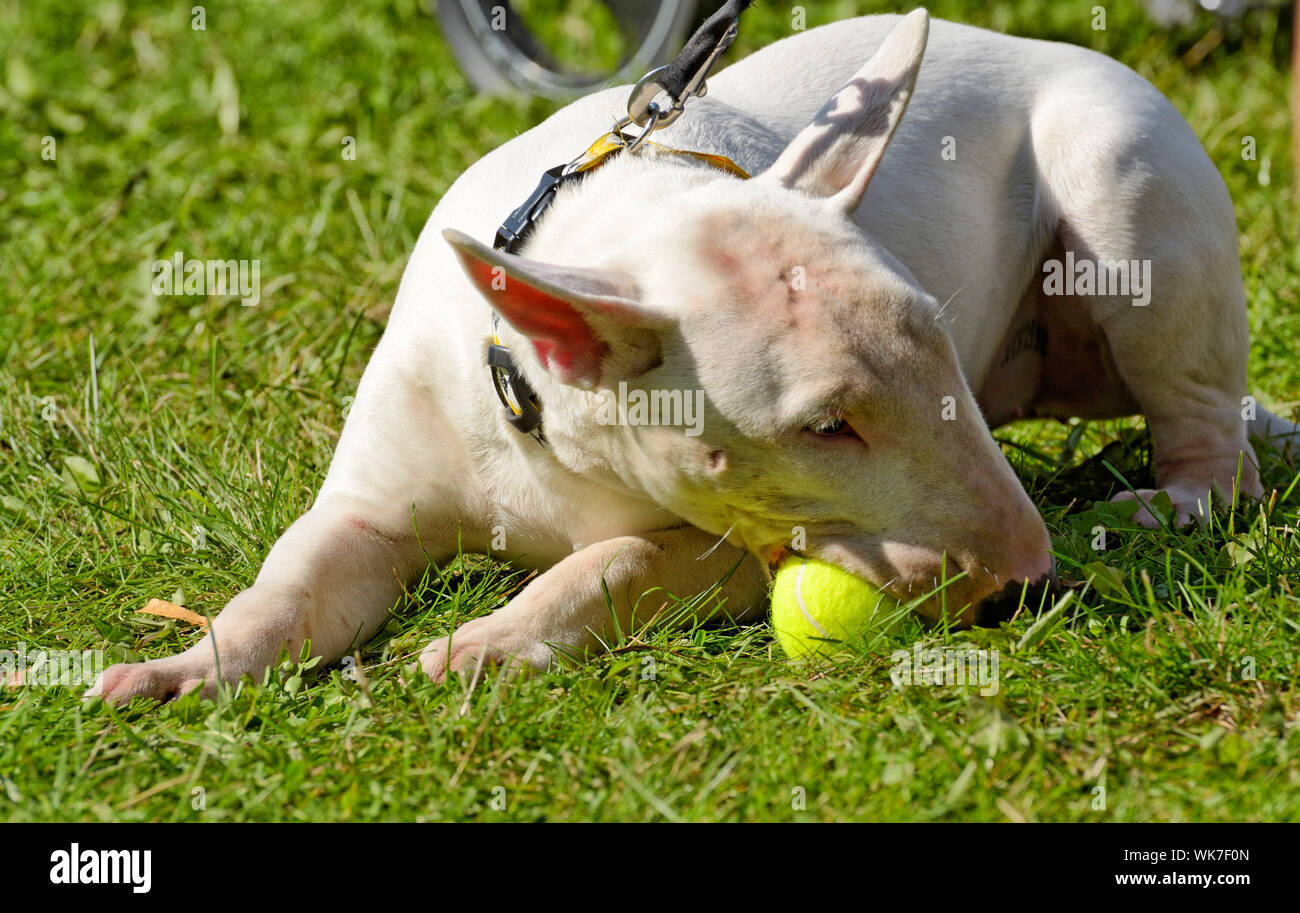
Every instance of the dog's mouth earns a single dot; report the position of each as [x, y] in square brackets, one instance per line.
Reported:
[837, 551]
[774, 558]
[836, 546]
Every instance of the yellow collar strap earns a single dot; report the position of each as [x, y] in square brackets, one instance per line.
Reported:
[600, 151]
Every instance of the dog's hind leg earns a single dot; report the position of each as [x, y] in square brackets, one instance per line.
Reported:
[1183, 357]
[1137, 189]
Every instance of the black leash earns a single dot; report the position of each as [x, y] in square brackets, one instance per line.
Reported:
[675, 77]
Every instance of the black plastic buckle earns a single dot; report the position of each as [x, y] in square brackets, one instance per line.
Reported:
[517, 226]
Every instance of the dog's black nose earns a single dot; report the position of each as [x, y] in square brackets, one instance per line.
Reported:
[1001, 606]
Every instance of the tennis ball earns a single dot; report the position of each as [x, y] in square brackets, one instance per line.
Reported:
[817, 607]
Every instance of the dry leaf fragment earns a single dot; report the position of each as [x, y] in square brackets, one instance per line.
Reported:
[172, 610]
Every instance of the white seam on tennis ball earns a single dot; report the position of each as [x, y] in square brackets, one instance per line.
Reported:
[798, 598]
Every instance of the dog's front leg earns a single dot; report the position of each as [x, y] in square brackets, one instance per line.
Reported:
[564, 611]
[386, 510]
[330, 579]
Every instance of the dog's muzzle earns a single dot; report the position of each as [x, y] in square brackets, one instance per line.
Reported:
[1003, 605]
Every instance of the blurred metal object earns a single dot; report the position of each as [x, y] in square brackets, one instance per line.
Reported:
[1183, 12]
[498, 53]
[1171, 13]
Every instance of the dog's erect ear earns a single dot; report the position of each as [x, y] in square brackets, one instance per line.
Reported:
[586, 325]
[836, 155]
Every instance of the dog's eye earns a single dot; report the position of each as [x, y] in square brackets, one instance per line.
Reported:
[831, 426]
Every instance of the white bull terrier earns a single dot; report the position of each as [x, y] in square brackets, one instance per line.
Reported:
[850, 322]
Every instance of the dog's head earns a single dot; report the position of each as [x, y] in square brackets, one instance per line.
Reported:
[758, 366]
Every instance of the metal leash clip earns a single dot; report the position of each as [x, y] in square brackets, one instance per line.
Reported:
[645, 112]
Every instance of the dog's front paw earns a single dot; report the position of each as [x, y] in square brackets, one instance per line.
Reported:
[480, 643]
[159, 679]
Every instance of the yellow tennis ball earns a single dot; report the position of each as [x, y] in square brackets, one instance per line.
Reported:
[817, 607]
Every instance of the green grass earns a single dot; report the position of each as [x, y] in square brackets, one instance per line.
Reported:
[200, 429]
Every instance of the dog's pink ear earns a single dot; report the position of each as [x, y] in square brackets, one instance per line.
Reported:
[836, 155]
[586, 325]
